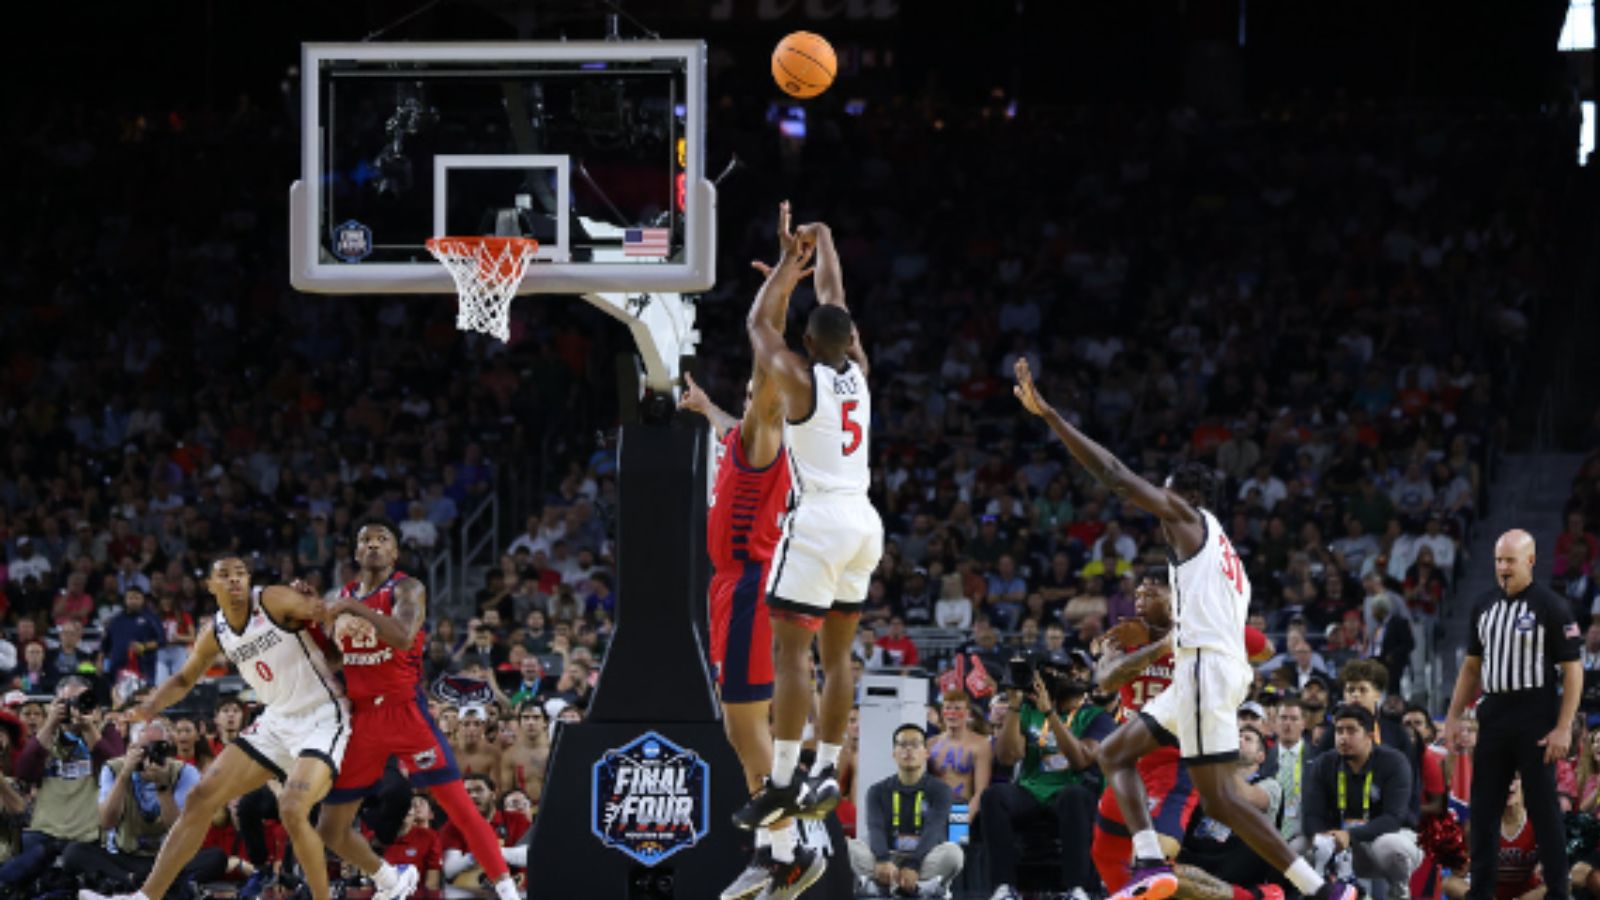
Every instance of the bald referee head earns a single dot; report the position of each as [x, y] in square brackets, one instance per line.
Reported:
[1513, 561]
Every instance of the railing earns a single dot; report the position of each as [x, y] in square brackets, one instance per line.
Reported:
[441, 568]
[478, 543]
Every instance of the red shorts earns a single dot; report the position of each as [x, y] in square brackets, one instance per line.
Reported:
[741, 633]
[1172, 796]
[392, 728]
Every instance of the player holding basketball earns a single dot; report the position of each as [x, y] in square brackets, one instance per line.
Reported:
[1211, 671]
[378, 626]
[1140, 668]
[299, 739]
[742, 528]
[832, 540]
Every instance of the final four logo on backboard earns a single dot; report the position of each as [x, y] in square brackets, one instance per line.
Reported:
[651, 798]
[352, 241]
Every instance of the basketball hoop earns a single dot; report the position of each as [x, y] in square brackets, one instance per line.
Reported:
[487, 271]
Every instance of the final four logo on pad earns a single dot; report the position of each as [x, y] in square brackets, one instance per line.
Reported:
[651, 798]
[352, 241]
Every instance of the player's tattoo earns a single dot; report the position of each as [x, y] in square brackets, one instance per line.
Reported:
[1111, 473]
[408, 603]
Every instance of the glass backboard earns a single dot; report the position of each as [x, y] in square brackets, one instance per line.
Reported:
[594, 148]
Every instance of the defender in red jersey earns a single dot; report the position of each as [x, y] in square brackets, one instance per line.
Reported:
[1140, 673]
[748, 499]
[377, 624]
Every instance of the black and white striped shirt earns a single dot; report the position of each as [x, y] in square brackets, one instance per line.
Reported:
[1521, 639]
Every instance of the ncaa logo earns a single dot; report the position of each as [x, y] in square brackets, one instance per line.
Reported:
[1525, 622]
[425, 759]
[352, 241]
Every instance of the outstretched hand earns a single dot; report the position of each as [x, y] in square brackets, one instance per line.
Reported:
[694, 399]
[1026, 391]
[795, 247]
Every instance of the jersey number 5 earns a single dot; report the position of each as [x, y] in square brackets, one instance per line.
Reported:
[851, 428]
[1232, 570]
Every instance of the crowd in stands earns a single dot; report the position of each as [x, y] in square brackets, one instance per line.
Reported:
[1325, 302]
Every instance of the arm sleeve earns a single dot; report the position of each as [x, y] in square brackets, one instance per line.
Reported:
[1393, 773]
[1314, 796]
[878, 821]
[1562, 640]
[188, 777]
[1474, 640]
[935, 819]
[108, 780]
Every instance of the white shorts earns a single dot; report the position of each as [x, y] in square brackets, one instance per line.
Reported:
[829, 550]
[1200, 709]
[277, 741]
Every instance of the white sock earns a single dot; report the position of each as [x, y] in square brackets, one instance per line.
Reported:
[516, 856]
[783, 843]
[506, 888]
[763, 838]
[1304, 877]
[386, 877]
[1147, 845]
[785, 756]
[827, 755]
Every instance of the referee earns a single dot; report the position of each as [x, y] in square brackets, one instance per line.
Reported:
[1521, 634]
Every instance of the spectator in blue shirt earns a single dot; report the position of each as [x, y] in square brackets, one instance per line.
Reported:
[1007, 591]
[135, 632]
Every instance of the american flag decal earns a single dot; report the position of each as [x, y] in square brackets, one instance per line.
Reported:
[644, 242]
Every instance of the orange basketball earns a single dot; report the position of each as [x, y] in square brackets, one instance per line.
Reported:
[804, 64]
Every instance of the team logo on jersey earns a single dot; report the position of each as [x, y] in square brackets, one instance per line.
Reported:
[1525, 622]
[650, 798]
[352, 241]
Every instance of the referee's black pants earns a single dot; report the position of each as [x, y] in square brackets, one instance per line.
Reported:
[1508, 744]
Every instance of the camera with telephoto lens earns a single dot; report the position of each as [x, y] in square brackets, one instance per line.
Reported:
[156, 753]
[85, 702]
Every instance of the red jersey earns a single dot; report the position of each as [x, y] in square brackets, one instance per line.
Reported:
[372, 668]
[1519, 855]
[508, 827]
[417, 846]
[747, 506]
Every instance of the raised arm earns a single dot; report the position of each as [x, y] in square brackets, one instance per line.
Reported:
[765, 322]
[1171, 509]
[398, 629]
[288, 604]
[696, 400]
[830, 285]
[175, 688]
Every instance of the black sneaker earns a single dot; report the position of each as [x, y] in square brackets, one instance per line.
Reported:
[823, 788]
[753, 879]
[771, 804]
[790, 879]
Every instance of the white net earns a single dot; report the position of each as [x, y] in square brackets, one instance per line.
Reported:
[487, 271]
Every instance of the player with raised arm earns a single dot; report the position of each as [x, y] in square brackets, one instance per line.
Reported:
[378, 627]
[300, 739]
[747, 505]
[1211, 673]
[832, 540]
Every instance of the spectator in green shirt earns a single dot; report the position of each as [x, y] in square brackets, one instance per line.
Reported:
[1055, 733]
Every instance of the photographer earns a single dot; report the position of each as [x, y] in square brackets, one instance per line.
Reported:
[62, 760]
[141, 794]
[1055, 733]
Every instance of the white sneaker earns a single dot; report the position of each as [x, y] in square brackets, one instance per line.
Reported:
[1005, 892]
[405, 881]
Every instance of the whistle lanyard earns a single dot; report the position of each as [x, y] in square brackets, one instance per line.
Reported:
[1366, 797]
[916, 812]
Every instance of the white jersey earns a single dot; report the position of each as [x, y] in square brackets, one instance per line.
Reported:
[1211, 595]
[286, 669]
[828, 449]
